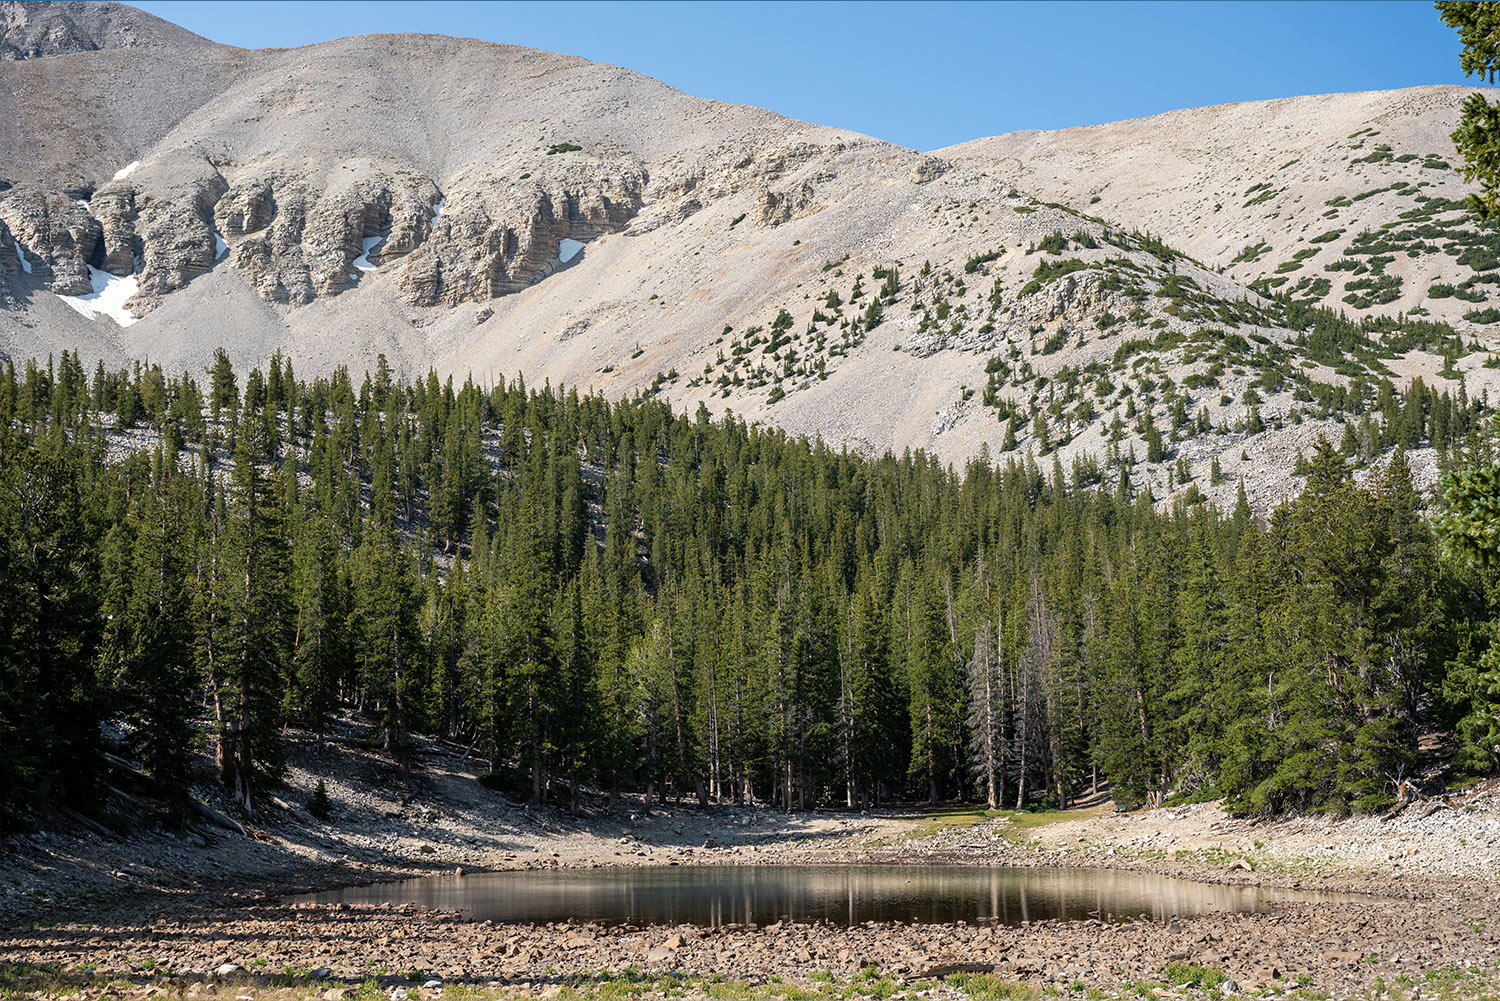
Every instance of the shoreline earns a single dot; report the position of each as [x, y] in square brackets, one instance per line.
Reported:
[161, 913]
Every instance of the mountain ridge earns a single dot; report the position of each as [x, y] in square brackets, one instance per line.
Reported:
[415, 196]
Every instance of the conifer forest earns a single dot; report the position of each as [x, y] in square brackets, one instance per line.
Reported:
[611, 597]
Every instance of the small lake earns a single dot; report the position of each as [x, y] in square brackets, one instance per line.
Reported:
[841, 894]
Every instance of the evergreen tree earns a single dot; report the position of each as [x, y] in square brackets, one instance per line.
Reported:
[49, 709]
[528, 650]
[253, 554]
[986, 720]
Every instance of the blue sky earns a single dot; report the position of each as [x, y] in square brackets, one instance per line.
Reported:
[924, 75]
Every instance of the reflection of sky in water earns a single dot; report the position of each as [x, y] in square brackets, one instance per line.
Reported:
[716, 895]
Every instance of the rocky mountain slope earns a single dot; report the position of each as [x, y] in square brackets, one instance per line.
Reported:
[1274, 192]
[495, 210]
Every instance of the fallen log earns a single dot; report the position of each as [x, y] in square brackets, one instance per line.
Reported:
[125, 768]
[125, 796]
[79, 818]
[229, 823]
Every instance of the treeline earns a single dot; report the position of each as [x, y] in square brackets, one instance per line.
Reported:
[613, 596]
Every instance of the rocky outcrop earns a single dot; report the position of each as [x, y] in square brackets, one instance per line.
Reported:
[1077, 296]
[409, 216]
[116, 211]
[58, 234]
[495, 238]
[9, 266]
[294, 241]
[929, 168]
[156, 222]
[773, 208]
[178, 244]
[247, 207]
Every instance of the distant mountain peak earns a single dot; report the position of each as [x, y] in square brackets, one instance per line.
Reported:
[36, 29]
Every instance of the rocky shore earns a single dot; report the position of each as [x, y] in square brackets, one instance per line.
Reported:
[204, 914]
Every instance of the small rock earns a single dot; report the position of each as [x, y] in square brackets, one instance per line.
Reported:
[228, 968]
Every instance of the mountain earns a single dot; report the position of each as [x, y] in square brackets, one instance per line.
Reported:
[492, 210]
[1273, 191]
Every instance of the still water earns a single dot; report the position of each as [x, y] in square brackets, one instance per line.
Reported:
[842, 894]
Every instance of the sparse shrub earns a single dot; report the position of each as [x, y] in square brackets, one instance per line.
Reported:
[989, 987]
[318, 804]
[1206, 978]
[1053, 243]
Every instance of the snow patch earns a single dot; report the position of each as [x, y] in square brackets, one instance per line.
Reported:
[220, 247]
[437, 210]
[21, 256]
[127, 170]
[568, 249]
[363, 260]
[110, 294]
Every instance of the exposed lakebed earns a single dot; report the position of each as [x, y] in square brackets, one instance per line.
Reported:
[714, 896]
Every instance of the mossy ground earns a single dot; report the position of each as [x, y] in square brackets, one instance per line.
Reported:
[927, 823]
[1176, 980]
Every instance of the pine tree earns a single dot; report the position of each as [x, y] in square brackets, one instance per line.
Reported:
[649, 602]
[223, 392]
[986, 719]
[50, 634]
[527, 647]
[1342, 739]
[320, 654]
[254, 557]
[1036, 663]
[157, 673]
[386, 600]
[868, 707]
[932, 683]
